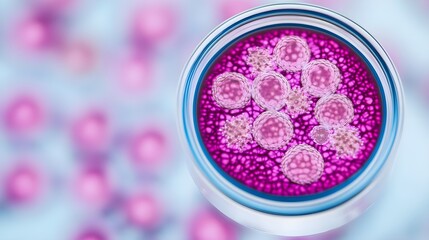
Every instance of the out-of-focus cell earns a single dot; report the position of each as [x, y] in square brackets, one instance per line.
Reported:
[91, 131]
[272, 130]
[23, 183]
[55, 5]
[303, 164]
[144, 210]
[24, 114]
[320, 135]
[210, 225]
[231, 90]
[154, 23]
[297, 102]
[292, 53]
[237, 131]
[36, 32]
[259, 59]
[135, 74]
[270, 90]
[92, 233]
[346, 141]
[335, 110]
[78, 57]
[227, 8]
[320, 78]
[93, 186]
[150, 148]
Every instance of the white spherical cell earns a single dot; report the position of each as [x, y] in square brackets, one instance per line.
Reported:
[270, 90]
[272, 130]
[231, 90]
[335, 110]
[320, 78]
[320, 135]
[292, 53]
[303, 164]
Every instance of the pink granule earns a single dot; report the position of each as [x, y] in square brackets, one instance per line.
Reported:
[261, 169]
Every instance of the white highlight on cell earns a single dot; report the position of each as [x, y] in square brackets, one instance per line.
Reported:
[231, 90]
[297, 102]
[272, 130]
[303, 164]
[346, 141]
[237, 131]
[260, 59]
[292, 53]
[335, 110]
[320, 78]
[270, 90]
[320, 135]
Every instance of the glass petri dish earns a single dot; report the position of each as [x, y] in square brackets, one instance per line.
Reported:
[291, 114]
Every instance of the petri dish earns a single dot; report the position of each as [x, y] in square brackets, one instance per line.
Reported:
[291, 114]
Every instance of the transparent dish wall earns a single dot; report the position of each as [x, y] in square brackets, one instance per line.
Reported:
[291, 216]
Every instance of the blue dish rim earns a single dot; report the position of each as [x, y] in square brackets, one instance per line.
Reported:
[281, 211]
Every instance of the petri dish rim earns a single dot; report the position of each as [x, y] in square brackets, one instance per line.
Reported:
[267, 206]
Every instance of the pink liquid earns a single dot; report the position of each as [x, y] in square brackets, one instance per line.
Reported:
[260, 168]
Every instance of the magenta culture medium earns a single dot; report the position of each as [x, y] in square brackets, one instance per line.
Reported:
[291, 113]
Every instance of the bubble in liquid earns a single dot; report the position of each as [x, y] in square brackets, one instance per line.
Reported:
[335, 110]
[231, 90]
[320, 77]
[24, 114]
[346, 141]
[303, 164]
[270, 90]
[144, 210]
[292, 53]
[320, 135]
[209, 225]
[237, 131]
[260, 59]
[272, 130]
[23, 183]
[297, 102]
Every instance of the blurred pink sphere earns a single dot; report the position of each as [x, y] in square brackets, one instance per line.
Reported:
[210, 225]
[154, 23]
[24, 114]
[92, 234]
[55, 4]
[23, 183]
[228, 8]
[135, 74]
[144, 210]
[150, 148]
[36, 32]
[91, 131]
[93, 186]
[79, 57]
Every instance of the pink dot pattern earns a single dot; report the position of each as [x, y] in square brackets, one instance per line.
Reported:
[260, 168]
[303, 164]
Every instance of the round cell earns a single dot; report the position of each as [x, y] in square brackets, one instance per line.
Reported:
[320, 134]
[292, 53]
[320, 77]
[270, 90]
[272, 130]
[334, 110]
[231, 90]
[303, 164]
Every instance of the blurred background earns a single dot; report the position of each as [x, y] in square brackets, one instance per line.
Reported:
[88, 141]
